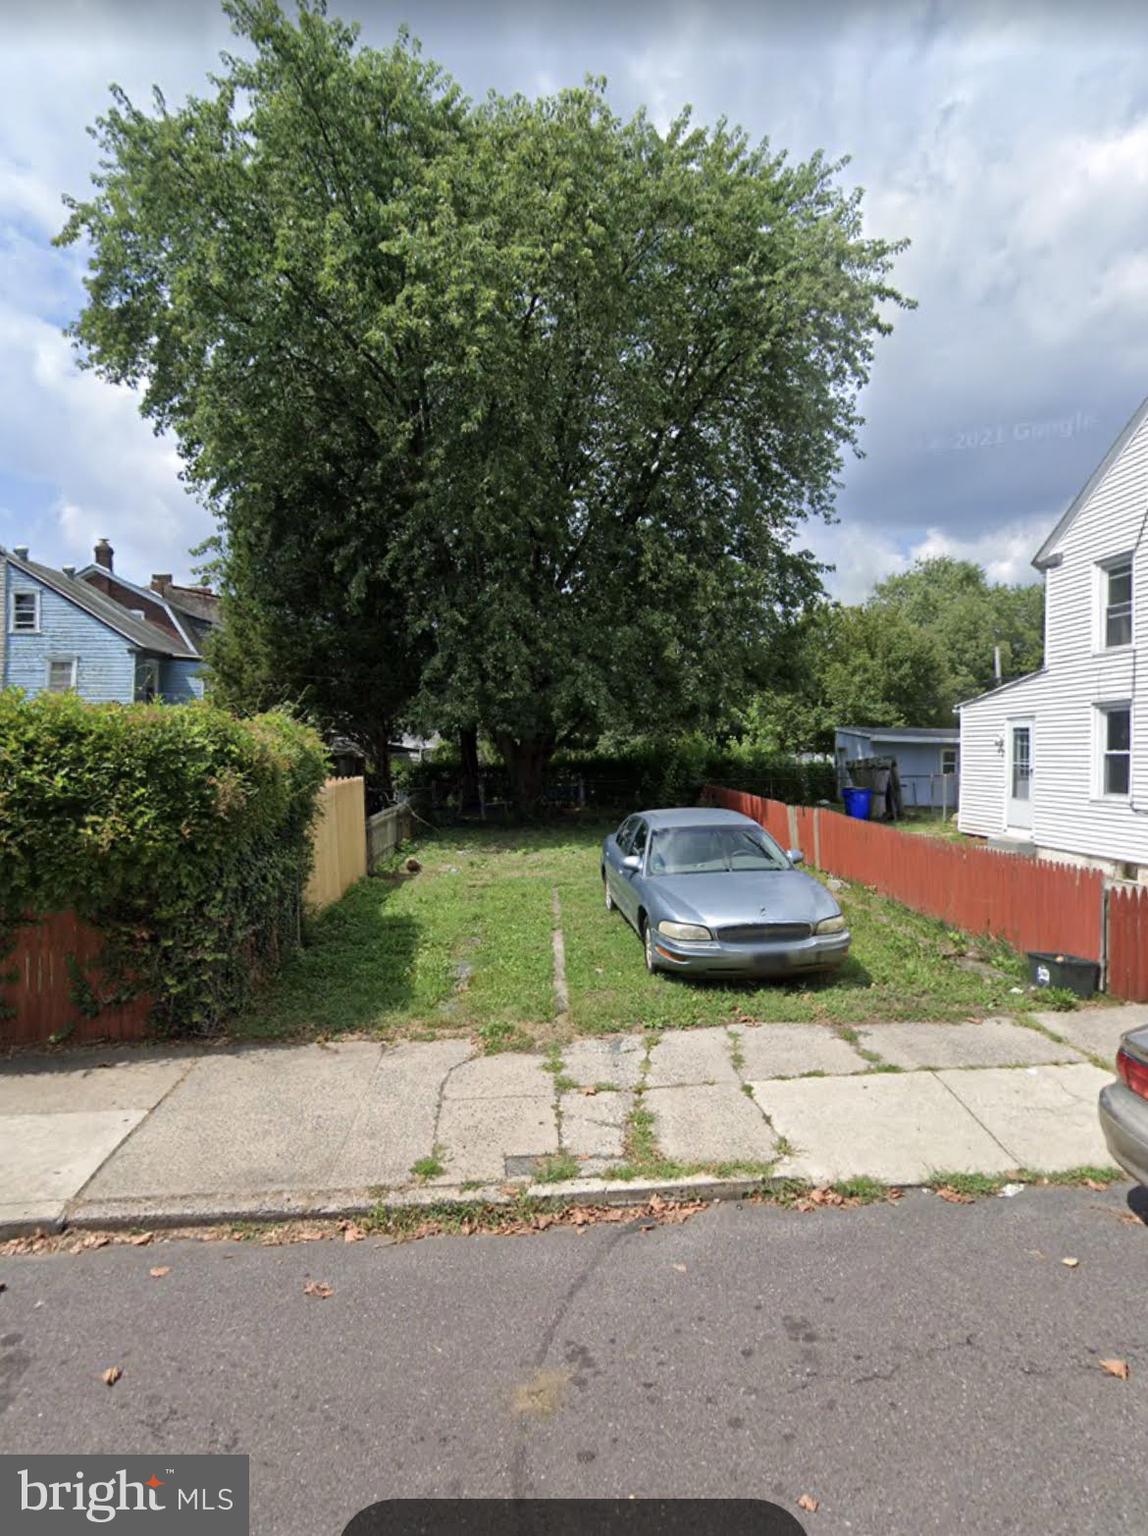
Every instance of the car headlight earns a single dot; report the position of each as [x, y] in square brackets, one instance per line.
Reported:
[830, 925]
[689, 932]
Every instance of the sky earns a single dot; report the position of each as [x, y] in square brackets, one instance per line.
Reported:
[1007, 142]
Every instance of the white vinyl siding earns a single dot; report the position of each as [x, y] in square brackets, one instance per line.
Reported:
[1084, 678]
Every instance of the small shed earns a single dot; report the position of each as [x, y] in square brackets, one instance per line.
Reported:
[928, 760]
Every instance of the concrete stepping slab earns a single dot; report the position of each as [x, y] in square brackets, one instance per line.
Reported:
[616, 1060]
[900, 1128]
[594, 1126]
[1096, 1030]
[45, 1159]
[710, 1125]
[476, 1136]
[509, 1076]
[417, 1069]
[788, 1050]
[992, 1043]
[691, 1056]
[90, 1082]
[247, 1120]
[1044, 1116]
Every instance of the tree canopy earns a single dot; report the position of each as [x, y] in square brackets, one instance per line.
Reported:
[921, 643]
[509, 411]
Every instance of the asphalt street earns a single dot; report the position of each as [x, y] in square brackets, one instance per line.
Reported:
[914, 1367]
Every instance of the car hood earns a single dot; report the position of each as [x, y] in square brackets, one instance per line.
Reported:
[771, 896]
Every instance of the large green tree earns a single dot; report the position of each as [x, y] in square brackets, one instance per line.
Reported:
[546, 393]
[969, 616]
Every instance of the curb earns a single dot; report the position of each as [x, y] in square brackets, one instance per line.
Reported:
[329, 1205]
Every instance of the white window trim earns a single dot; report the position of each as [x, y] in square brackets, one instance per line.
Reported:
[55, 661]
[32, 592]
[1101, 570]
[955, 754]
[1101, 709]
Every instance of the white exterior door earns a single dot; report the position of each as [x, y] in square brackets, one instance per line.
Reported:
[1019, 753]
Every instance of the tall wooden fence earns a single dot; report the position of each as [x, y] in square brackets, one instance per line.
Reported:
[340, 842]
[1033, 904]
[1128, 944]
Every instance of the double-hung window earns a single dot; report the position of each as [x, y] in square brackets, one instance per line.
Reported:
[1117, 594]
[25, 616]
[1115, 742]
[61, 674]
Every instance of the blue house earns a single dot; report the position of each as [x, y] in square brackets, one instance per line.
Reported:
[927, 758]
[62, 634]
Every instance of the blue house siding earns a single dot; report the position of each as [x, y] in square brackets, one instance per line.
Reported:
[181, 681]
[105, 663]
[920, 764]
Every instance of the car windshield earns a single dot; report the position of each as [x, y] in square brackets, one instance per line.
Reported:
[712, 850]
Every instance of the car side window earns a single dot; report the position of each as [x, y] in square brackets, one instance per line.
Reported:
[624, 833]
[638, 846]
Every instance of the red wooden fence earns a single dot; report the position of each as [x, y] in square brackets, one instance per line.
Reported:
[41, 993]
[1128, 944]
[1034, 905]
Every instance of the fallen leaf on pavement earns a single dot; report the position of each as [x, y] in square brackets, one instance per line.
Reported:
[112, 1375]
[954, 1196]
[1070, 1263]
[318, 1288]
[589, 1092]
[681, 1268]
[94, 1240]
[353, 1233]
[808, 1502]
[159, 1271]
[1096, 1184]
[894, 1193]
[141, 1239]
[1117, 1368]
[826, 1196]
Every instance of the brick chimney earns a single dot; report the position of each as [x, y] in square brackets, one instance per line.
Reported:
[104, 553]
[161, 582]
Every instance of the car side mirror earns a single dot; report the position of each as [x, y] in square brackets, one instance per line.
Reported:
[796, 856]
[631, 861]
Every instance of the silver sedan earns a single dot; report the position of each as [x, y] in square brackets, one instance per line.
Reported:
[1124, 1106]
[711, 893]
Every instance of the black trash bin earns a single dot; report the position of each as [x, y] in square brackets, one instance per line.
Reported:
[1068, 971]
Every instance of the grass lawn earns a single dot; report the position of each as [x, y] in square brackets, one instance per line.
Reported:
[465, 947]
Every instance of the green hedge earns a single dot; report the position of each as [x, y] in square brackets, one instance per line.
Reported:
[180, 831]
[648, 776]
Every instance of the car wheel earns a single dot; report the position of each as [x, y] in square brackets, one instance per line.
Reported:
[648, 946]
[606, 889]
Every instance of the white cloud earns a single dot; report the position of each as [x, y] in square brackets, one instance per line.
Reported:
[103, 470]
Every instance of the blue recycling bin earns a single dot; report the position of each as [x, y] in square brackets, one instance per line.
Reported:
[857, 803]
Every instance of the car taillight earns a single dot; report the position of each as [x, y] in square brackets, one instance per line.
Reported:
[1134, 1073]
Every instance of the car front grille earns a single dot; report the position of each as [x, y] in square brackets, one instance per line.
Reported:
[763, 933]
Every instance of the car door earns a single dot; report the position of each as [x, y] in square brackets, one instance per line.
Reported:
[629, 896]
[615, 852]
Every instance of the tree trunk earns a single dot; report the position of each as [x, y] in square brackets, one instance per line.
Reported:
[526, 763]
[468, 747]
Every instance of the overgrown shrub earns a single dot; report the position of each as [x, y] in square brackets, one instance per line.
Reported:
[648, 774]
[181, 832]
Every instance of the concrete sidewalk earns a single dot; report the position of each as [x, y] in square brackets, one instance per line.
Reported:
[150, 1136]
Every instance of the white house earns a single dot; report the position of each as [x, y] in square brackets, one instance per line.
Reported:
[1058, 760]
